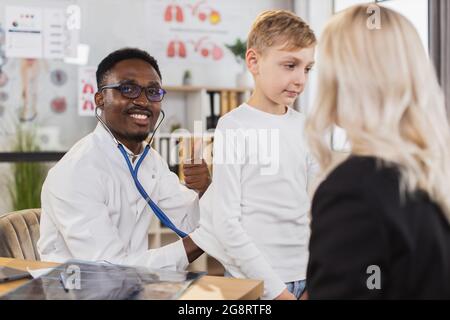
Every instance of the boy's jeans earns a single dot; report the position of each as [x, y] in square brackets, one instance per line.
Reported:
[297, 287]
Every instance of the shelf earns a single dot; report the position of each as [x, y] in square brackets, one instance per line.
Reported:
[199, 88]
[161, 230]
[187, 134]
[37, 156]
[165, 230]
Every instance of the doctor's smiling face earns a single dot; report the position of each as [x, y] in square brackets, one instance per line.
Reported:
[130, 119]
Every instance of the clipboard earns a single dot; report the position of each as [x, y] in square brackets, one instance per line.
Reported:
[11, 274]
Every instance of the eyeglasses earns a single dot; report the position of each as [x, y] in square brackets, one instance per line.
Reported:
[132, 91]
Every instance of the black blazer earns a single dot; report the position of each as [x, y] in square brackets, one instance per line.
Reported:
[360, 219]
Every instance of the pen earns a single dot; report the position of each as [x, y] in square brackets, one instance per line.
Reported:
[62, 279]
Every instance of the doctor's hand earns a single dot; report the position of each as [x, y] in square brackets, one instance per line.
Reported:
[192, 250]
[195, 169]
[197, 176]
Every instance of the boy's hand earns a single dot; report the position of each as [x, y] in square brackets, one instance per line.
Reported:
[304, 296]
[286, 295]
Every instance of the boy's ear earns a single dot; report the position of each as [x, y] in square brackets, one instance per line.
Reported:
[251, 59]
[99, 100]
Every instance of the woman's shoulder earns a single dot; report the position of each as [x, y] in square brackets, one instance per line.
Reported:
[358, 168]
[364, 174]
[374, 182]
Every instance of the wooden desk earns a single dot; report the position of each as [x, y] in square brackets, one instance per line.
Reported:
[206, 288]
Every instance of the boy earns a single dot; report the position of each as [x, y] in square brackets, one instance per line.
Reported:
[255, 213]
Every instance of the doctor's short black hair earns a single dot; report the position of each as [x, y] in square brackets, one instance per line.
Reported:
[113, 58]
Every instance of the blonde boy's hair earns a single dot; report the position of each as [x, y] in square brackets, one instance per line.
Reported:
[276, 27]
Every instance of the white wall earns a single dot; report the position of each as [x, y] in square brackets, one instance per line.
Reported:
[106, 25]
[316, 13]
[129, 29]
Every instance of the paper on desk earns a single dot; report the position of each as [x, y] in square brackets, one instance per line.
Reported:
[35, 273]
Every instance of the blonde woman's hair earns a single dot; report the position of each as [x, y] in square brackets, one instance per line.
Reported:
[380, 87]
[277, 27]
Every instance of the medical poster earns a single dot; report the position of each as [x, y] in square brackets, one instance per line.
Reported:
[24, 32]
[54, 33]
[87, 87]
[195, 31]
[33, 32]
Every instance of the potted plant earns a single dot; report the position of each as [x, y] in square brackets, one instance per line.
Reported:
[187, 78]
[239, 49]
[28, 177]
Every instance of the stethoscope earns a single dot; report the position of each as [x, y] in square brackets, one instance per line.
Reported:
[134, 173]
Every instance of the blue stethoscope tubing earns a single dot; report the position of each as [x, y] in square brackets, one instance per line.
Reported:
[134, 173]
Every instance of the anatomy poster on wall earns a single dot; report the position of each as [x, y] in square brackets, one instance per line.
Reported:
[87, 86]
[195, 31]
[24, 29]
[54, 33]
[33, 32]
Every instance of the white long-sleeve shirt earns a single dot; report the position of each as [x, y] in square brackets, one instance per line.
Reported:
[91, 209]
[254, 217]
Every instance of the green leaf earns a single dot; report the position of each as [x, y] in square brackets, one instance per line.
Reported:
[239, 48]
[28, 177]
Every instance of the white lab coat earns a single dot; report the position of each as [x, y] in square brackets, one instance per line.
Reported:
[91, 209]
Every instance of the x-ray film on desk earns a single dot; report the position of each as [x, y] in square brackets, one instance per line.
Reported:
[81, 280]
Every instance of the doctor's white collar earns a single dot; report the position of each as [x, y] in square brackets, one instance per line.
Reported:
[101, 131]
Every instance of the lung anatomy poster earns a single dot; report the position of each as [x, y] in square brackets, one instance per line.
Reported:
[87, 87]
[194, 31]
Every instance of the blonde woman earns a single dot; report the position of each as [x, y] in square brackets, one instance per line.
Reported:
[380, 218]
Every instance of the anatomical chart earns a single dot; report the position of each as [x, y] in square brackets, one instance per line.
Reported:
[195, 31]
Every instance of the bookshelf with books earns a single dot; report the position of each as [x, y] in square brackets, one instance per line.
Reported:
[205, 104]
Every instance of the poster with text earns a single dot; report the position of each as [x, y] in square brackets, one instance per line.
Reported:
[87, 87]
[24, 32]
